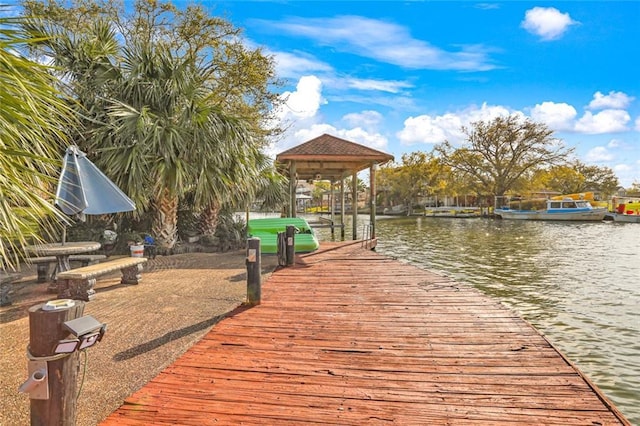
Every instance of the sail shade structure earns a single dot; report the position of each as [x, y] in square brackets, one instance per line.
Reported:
[84, 189]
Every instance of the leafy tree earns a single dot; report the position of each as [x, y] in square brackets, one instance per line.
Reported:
[32, 114]
[598, 179]
[319, 189]
[499, 153]
[577, 177]
[385, 195]
[418, 176]
[173, 102]
[361, 188]
[564, 179]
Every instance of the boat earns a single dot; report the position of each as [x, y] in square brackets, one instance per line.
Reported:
[627, 212]
[589, 196]
[567, 210]
[267, 230]
[452, 212]
[399, 210]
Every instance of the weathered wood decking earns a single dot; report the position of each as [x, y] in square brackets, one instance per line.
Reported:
[348, 336]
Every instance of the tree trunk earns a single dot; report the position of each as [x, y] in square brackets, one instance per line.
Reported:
[209, 219]
[165, 222]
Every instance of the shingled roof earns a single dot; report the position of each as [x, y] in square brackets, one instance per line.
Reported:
[331, 157]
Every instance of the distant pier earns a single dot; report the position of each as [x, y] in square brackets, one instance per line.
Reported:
[348, 336]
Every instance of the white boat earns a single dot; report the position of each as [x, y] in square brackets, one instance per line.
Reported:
[452, 212]
[626, 218]
[628, 212]
[567, 209]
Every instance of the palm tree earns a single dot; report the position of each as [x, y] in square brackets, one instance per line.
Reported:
[249, 176]
[33, 117]
[154, 124]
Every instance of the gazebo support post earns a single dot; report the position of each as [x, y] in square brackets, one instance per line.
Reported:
[332, 195]
[372, 198]
[354, 202]
[292, 189]
[342, 209]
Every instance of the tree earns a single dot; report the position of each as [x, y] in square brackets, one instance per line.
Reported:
[598, 179]
[174, 103]
[575, 178]
[32, 115]
[320, 188]
[563, 178]
[499, 153]
[419, 175]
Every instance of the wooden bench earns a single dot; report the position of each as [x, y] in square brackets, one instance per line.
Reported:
[6, 280]
[78, 283]
[43, 263]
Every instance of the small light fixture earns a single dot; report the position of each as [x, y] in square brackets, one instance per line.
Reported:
[67, 346]
[87, 331]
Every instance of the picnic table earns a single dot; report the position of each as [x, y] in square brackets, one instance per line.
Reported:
[62, 251]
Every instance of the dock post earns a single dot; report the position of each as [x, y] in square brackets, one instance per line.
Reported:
[53, 400]
[291, 236]
[254, 277]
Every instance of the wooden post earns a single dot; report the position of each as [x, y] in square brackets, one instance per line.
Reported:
[293, 181]
[45, 331]
[291, 240]
[354, 210]
[254, 277]
[342, 209]
[372, 199]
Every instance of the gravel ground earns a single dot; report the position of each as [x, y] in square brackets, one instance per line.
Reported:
[149, 325]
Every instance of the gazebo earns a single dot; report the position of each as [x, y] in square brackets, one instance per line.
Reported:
[331, 158]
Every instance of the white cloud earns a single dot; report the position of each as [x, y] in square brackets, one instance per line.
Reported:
[305, 101]
[357, 135]
[367, 119]
[627, 173]
[389, 86]
[557, 116]
[547, 22]
[437, 129]
[383, 41]
[599, 154]
[297, 64]
[606, 121]
[637, 125]
[300, 117]
[487, 113]
[614, 143]
[614, 100]
[427, 129]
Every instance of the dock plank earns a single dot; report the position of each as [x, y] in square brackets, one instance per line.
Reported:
[350, 337]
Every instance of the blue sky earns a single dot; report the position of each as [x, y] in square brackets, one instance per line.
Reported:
[403, 76]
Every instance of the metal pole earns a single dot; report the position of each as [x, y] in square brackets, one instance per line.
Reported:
[291, 232]
[254, 277]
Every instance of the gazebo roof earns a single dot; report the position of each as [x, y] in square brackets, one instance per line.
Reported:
[330, 157]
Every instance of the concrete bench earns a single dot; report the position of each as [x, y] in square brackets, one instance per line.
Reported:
[43, 263]
[78, 283]
[6, 280]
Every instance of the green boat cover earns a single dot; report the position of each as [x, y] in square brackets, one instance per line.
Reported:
[267, 230]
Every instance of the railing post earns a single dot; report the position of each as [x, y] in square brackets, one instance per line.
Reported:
[254, 276]
[290, 234]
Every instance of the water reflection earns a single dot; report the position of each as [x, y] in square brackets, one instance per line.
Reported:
[578, 283]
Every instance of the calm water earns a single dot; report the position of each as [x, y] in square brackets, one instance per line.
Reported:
[577, 283]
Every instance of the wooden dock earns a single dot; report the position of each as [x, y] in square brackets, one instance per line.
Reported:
[351, 337]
